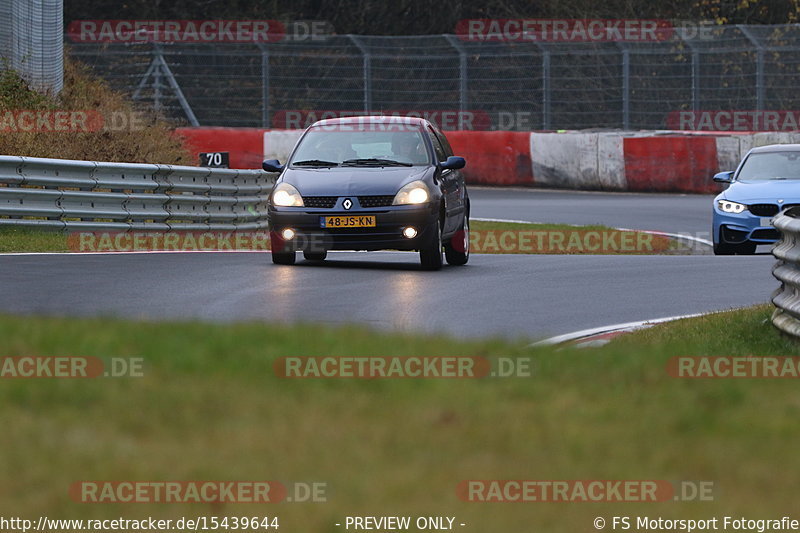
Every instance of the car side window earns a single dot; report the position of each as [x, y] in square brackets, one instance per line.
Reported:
[448, 151]
[437, 146]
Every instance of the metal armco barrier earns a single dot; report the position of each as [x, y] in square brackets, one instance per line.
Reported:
[786, 316]
[71, 195]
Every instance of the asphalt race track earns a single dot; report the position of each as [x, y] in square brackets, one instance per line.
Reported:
[510, 295]
[531, 296]
[675, 213]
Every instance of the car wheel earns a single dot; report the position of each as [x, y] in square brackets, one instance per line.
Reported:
[315, 256]
[724, 248]
[283, 258]
[457, 253]
[430, 255]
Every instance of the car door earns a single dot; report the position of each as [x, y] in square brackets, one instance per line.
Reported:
[452, 183]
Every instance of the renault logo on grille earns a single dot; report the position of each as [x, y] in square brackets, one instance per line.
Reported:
[348, 203]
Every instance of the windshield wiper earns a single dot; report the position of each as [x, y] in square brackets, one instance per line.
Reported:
[316, 163]
[373, 162]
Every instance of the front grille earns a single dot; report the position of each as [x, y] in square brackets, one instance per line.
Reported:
[320, 202]
[764, 210]
[376, 201]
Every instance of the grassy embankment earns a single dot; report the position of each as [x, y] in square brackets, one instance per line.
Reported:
[210, 407]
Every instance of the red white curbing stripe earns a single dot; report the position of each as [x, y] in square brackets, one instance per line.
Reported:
[602, 335]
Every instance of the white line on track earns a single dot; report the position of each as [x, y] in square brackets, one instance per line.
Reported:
[698, 240]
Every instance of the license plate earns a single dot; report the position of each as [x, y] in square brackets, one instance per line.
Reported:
[766, 221]
[355, 221]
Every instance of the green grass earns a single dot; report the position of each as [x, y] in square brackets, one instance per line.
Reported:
[31, 240]
[210, 407]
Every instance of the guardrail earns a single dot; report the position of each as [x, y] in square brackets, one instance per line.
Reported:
[786, 298]
[72, 195]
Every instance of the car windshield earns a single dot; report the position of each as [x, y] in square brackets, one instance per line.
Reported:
[323, 147]
[771, 166]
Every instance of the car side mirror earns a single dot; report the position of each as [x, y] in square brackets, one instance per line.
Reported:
[453, 163]
[724, 177]
[272, 165]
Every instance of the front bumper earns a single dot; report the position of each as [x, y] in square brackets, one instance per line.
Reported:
[744, 227]
[387, 234]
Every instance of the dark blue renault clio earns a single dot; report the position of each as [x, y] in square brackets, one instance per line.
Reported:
[370, 183]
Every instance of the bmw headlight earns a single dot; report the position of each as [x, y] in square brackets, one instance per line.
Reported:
[726, 206]
[415, 192]
[285, 195]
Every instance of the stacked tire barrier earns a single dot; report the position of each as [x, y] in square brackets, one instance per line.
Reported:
[72, 195]
[786, 298]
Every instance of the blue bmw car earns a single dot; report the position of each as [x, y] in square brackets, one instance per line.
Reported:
[766, 182]
[370, 183]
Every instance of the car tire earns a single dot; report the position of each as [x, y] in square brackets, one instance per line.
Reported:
[315, 256]
[724, 248]
[430, 255]
[459, 255]
[283, 258]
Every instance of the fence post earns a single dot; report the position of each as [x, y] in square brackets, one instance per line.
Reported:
[265, 110]
[695, 70]
[157, 78]
[626, 86]
[367, 69]
[695, 81]
[546, 96]
[463, 86]
[759, 65]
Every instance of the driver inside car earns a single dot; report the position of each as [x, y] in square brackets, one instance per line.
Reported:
[408, 147]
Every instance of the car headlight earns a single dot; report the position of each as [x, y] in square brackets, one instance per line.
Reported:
[285, 195]
[415, 192]
[731, 207]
